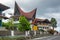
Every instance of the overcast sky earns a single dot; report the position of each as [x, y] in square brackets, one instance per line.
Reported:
[45, 8]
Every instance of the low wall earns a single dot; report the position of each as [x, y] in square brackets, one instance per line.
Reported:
[8, 33]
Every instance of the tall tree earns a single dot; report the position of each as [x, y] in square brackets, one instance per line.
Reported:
[24, 24]
[53, 23]
[5, 25]
[9, 24]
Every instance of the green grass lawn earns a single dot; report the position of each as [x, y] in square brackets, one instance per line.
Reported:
[13, 38]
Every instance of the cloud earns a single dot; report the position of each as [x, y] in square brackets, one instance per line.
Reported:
[53, 10]
[42, 5]
[28, 5]
[54, 15]
[5, 1]
[58, 29]
[9, 11]
[9, 3]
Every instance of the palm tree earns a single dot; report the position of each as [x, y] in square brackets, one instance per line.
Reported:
[53, 23]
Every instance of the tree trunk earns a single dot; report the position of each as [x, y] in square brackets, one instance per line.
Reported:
[35, 33]
[53, 28]
[27, 33]
[41, 32]
[12, 33]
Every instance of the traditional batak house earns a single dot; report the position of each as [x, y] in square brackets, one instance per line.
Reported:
[19, 12]
[44, 24]
[30, 16]
[2, 8]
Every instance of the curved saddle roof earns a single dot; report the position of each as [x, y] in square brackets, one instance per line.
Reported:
[19, 12]
[3, 7]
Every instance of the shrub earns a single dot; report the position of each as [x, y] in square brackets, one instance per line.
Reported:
[51, 31]
[21, 38]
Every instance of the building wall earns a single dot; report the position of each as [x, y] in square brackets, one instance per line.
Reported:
[44, 26]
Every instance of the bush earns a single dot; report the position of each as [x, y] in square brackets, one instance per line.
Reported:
[51, 31]
[21, 38]
[42, 30]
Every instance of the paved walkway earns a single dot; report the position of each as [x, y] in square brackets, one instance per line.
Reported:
[48, 38]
